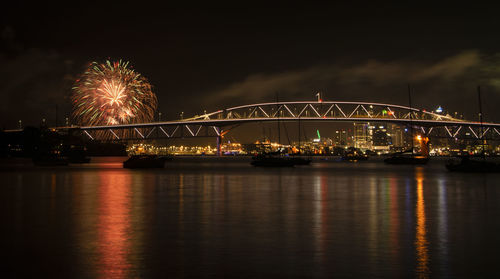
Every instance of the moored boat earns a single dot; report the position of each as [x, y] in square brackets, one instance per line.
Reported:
[300, 160]
[354, 155]
[466, 164]
[76, 154]
[144, 161]
[406, 159]
[49, 160]
[267, 160]
[354, 158]
[409, 157]
[78, 158]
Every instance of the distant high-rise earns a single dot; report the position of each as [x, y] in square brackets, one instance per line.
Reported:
[341, 138]
[362, 135]
[397, 135]
[380, 138]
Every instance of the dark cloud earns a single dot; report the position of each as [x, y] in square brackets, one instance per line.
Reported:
[449, 81]
[207, 58]
[32, 84]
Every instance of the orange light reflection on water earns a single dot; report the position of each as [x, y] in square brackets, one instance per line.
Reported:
[421, 242]
[114, 224]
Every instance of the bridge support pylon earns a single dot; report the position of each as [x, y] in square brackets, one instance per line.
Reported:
[219, 141]
[424, 146]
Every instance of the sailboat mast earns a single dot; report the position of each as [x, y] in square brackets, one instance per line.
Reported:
[299, 134]
[411, 121]
[277, 111]
[481, 120]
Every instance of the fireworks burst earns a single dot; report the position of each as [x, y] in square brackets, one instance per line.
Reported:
[111, 93]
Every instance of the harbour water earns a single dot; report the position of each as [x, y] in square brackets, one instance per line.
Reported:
[227, 219]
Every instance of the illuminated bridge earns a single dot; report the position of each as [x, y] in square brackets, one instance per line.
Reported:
[216, 124]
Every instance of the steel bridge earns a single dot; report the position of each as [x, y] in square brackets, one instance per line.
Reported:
[216, 124]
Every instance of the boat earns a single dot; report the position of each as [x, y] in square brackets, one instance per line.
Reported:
[409, 157]
[76, 154]
[354, 155]
[354, 158]
[274, 159]
[406, 158]
[144, 161]
[78, 158]
[300, 160]
[270, 160]
[49, 160]
[167, 158]
[466, 164]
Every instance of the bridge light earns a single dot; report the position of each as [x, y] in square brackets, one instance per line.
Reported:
[439, 109]
[319, 97]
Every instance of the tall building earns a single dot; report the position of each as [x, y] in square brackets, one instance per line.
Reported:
[341, 137]
[362, 136]
[397, 135]
[381, 140]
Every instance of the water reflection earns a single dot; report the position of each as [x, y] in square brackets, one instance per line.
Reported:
[181, 200]
[394, 217]
[443, 223]
[320, 187]
[114, 224]
[373, 222]
[421, 242]
[53, 191]
[301, 223]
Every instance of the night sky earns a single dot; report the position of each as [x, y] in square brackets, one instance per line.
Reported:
[207, 58]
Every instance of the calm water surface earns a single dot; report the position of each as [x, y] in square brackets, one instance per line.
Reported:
[228, 219]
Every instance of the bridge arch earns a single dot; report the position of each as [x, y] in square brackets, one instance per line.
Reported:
[216, 123]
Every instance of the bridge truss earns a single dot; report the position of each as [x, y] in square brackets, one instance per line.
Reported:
[216, 124]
